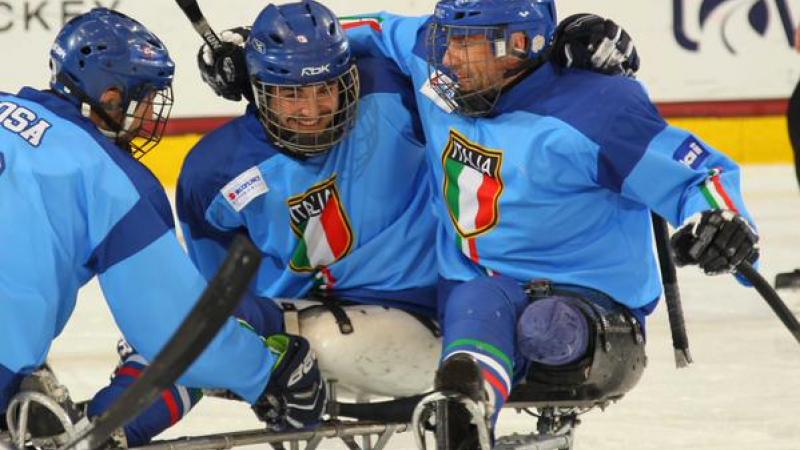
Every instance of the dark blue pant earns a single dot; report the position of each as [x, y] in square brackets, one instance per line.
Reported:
[480, 316]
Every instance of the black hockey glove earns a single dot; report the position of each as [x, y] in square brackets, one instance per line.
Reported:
[590, 42]
[717, 241]
[296, 394]
[225, 69]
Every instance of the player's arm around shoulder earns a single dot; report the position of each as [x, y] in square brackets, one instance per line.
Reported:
[388, 95]
[384, 34]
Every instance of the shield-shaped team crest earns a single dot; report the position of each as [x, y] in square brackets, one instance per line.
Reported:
[472, 185]
[321, 225]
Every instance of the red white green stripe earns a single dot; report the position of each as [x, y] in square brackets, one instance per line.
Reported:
[483, 346]
[715, 194]
[469, 246]
[493, 372]
[373, 22]
[325, 237]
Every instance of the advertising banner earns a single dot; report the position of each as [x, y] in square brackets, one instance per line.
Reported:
[691, 50]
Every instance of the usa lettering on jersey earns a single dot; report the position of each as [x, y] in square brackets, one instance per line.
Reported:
[321, 225]
[23, 122]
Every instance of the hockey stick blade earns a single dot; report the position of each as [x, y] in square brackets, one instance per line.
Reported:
[788, 280]
[771, 297]
[216, 304]
[192, 11]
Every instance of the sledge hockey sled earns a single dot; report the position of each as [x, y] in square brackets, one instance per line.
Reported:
[555, 396]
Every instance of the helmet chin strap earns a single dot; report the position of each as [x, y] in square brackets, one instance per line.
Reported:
[114, 129]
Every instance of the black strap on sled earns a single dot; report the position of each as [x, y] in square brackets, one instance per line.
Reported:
[335, 305]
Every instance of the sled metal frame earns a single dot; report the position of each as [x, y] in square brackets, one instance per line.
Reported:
[18, 416]
[555, 425]
[349, 432]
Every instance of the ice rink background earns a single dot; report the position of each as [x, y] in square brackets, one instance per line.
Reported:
[743, 392]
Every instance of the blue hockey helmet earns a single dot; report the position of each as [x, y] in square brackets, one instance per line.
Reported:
[497, 21]
[105, 50]
[297, 51]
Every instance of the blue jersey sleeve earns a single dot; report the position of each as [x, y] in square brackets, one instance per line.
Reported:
[151, 285]
[384, 34]
[666, 168]
[148, 309]
[626, 146]
[207, 246]
[211, 164]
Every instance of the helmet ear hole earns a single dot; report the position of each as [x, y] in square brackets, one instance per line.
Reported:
[276, 39]
[86, 50]
[332, 29]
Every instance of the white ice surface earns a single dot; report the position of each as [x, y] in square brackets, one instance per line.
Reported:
[743, 392]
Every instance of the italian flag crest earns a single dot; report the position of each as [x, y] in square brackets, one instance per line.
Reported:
[472, 188]
[321, 225]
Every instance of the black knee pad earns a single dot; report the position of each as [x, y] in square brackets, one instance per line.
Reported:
[613, 364]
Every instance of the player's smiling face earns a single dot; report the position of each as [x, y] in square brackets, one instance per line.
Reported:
[474, 63]
[306, 109]
[471, 59]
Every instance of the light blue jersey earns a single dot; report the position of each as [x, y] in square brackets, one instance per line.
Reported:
[356, 220]
[73, 205]
[559, 182]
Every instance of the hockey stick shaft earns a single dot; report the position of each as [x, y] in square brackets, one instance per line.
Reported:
[216, 304]
[672, 294]
[192, 10]
[771, 297]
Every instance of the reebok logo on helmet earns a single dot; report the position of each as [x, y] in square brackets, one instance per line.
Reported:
[311, 71]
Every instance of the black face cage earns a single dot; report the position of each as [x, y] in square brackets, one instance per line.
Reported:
[458, 86]
[309, 143]
[145, 121]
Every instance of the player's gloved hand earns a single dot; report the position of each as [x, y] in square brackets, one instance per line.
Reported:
[225, 69]
[717, 241]
[590, 42]
[296, 394]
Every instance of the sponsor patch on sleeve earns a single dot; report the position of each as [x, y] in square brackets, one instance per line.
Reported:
[244, 188]
[691, 153]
